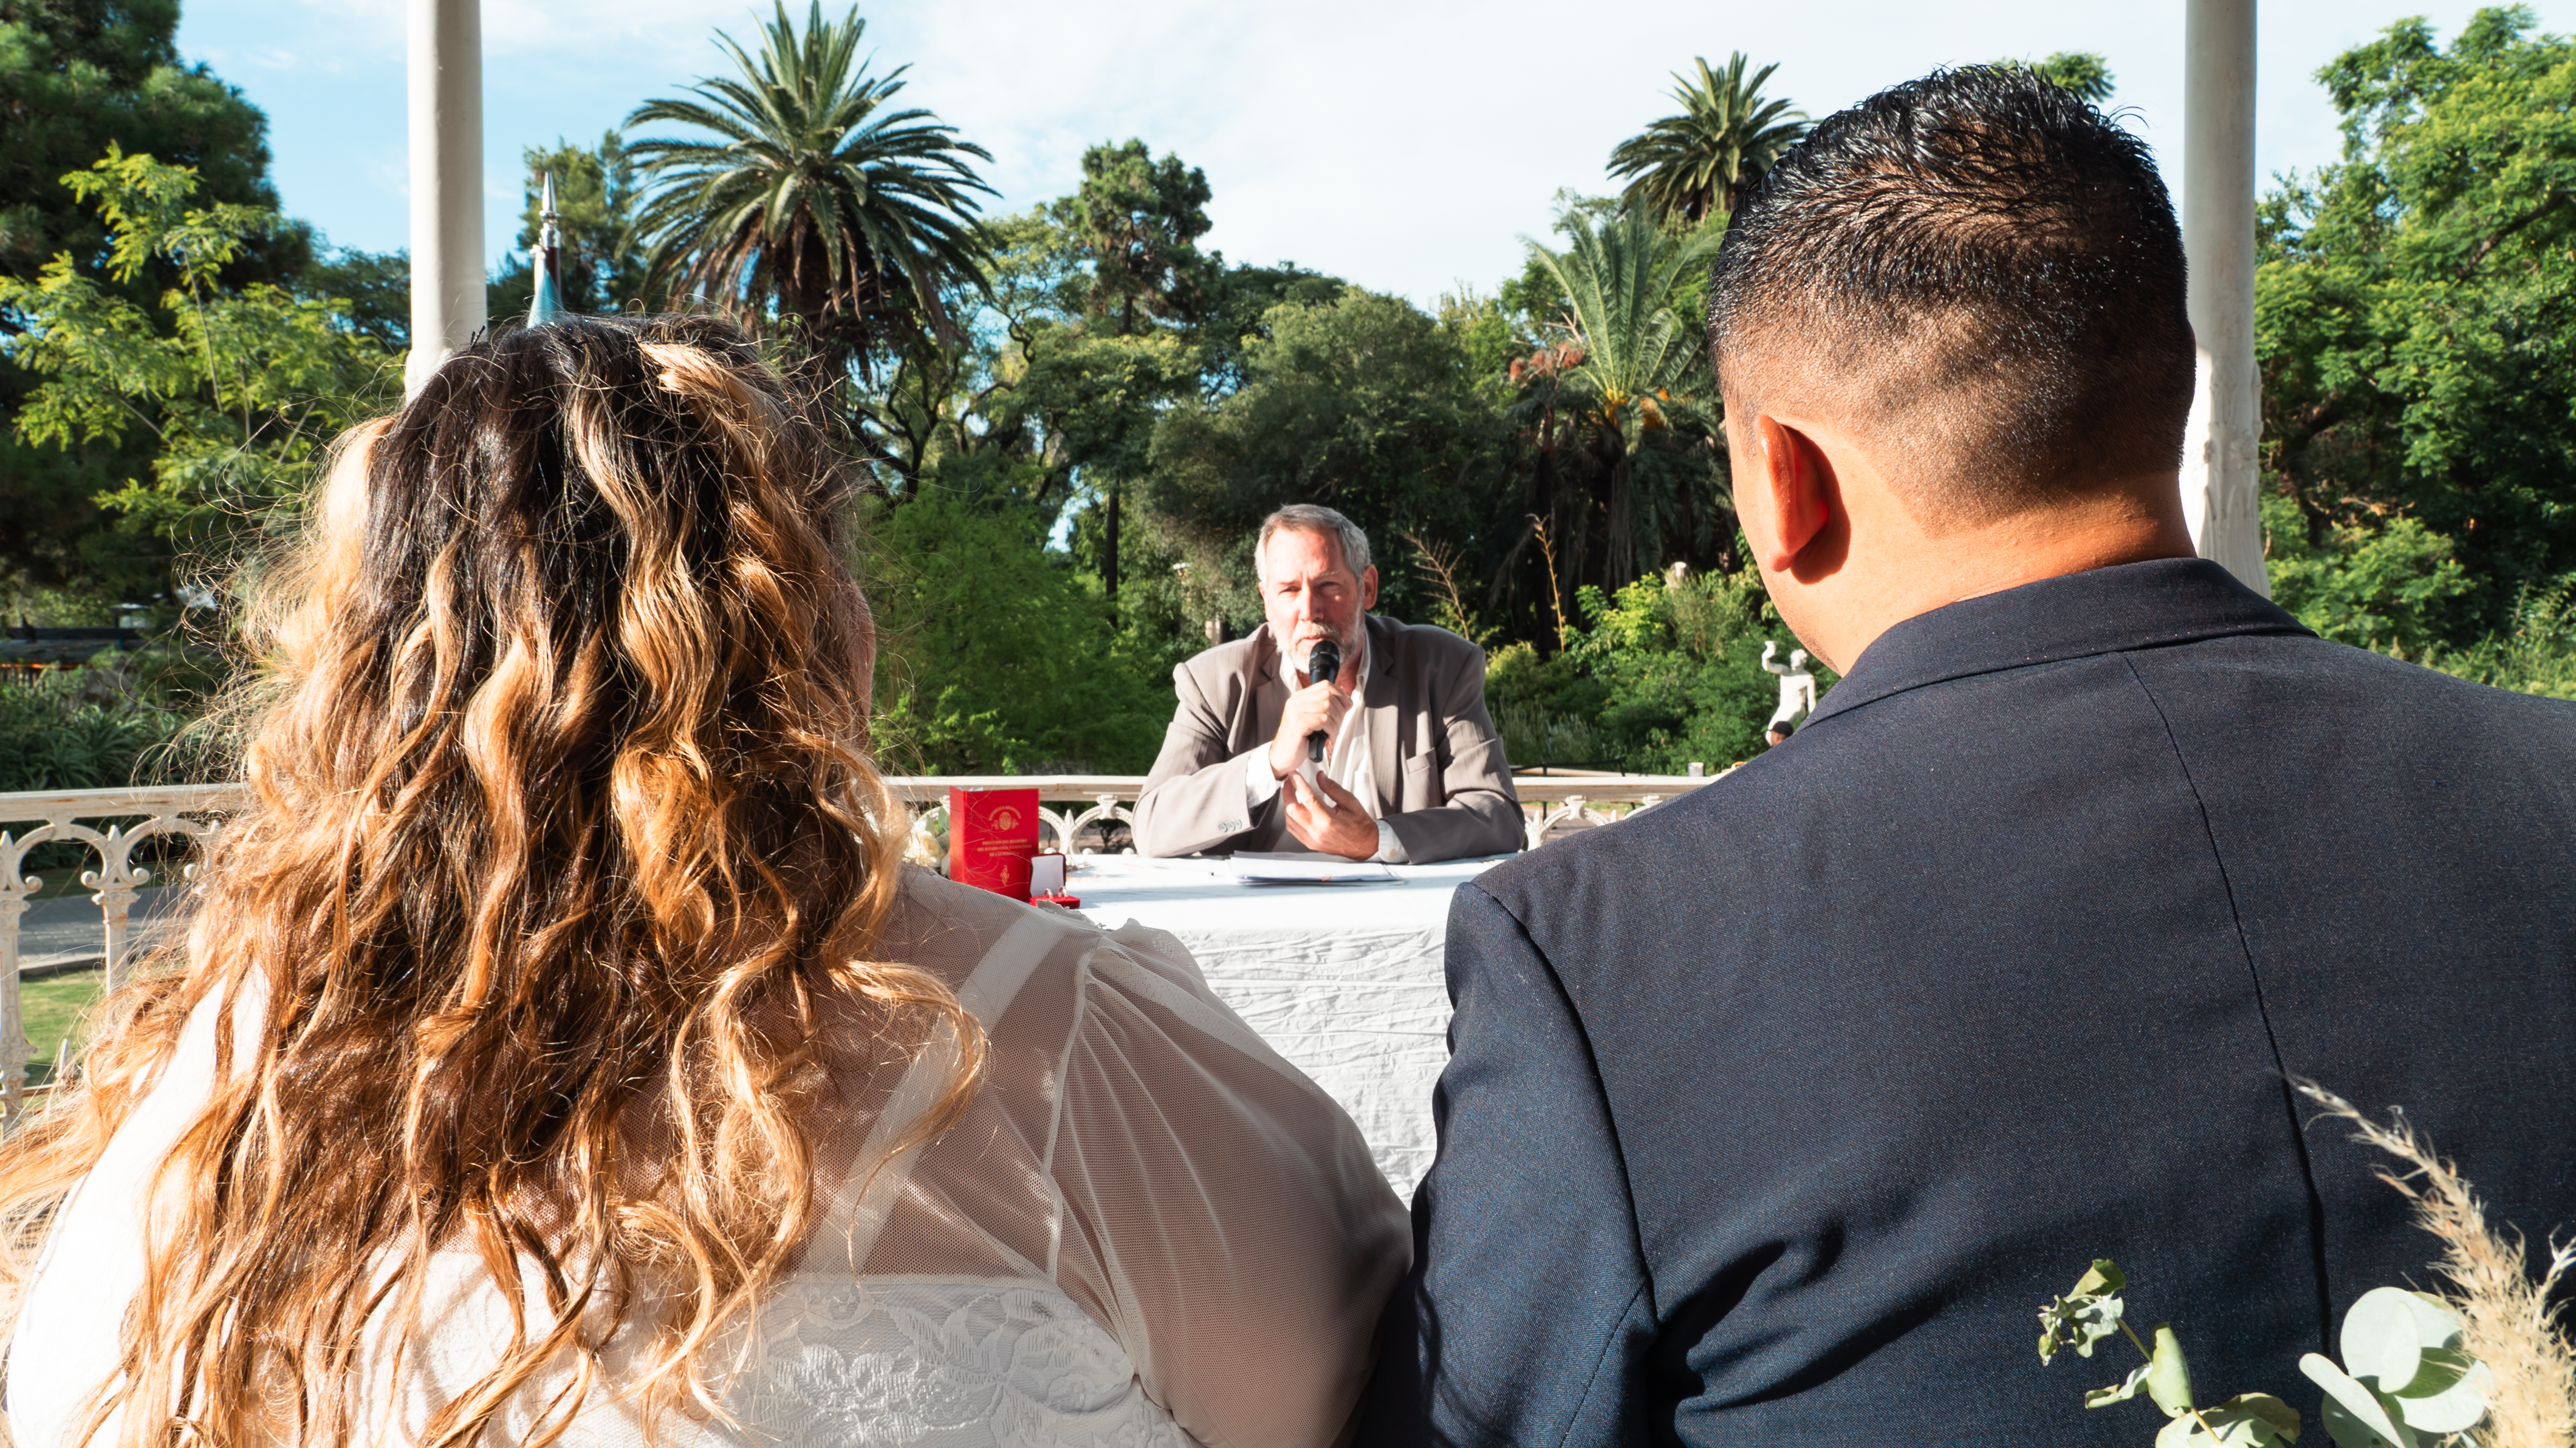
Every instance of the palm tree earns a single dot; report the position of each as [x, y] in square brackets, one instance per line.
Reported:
[815, 208]
[1629, 361]
[1707, 157]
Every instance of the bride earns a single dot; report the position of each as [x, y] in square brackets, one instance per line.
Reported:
[561, 1055]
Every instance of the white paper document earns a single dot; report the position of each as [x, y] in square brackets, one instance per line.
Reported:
[1255, 867]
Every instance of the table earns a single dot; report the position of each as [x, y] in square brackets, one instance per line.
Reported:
[1343, 980]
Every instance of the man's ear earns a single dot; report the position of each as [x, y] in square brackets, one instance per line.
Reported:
[1368, 588]
[1800, 487]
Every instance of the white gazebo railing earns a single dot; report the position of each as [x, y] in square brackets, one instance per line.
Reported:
[108, 827]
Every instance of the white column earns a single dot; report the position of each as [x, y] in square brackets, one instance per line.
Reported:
[2219, 482]
[446, 53]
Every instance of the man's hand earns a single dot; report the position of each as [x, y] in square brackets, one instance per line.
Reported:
[1316, 706]
[1330, 822]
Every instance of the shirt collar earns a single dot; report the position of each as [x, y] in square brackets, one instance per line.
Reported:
[2073, 616]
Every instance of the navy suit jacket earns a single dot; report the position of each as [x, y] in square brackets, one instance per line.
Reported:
[1773, 1115]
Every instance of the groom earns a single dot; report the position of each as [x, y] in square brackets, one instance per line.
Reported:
[1774, 1115]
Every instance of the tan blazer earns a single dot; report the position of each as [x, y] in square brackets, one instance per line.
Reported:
[1438, 763]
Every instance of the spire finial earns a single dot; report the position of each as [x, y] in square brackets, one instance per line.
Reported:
[547, 305]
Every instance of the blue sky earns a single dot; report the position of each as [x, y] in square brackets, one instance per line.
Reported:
[1404, 145]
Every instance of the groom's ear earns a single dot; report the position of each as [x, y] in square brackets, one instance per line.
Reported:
[1797, 495]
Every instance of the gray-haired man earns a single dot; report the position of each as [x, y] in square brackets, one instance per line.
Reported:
[1413, 771]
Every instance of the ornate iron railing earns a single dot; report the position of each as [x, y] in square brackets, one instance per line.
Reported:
[108, 826]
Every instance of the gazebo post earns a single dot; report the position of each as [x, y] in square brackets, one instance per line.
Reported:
[445, 47]
[2219, 470]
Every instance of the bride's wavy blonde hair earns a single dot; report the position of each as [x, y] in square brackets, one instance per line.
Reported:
[565, 845]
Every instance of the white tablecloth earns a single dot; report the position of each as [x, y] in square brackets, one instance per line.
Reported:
[1343, 980]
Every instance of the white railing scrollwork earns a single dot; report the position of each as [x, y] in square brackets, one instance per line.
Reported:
[107, 824]
[106, 827]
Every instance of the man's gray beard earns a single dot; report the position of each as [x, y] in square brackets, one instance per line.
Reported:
[1350, 648]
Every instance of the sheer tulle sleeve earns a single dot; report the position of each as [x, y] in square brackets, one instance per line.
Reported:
[1131, 1146]
[1221, 1214]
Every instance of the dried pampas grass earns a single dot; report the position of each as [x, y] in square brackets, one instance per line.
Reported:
[2511, 1326]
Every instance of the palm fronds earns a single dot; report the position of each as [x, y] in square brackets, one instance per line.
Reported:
[1638, 357]
[1704, 159]
[811, 201]
[1628, 361]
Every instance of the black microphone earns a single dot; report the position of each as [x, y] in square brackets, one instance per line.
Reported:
[1323, 664]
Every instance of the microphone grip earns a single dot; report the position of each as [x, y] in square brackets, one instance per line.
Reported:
[1323, 664]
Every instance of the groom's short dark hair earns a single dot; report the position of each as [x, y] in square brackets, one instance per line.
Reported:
[1984, 273]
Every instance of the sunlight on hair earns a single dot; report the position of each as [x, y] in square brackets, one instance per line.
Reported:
[566, 852]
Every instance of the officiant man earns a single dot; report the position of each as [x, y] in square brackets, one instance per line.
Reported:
[1412, 770]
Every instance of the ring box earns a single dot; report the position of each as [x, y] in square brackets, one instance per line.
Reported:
[1046, 882]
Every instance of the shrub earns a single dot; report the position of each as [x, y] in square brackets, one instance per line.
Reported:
[1666, 672]
[996, 656]
[122, 718]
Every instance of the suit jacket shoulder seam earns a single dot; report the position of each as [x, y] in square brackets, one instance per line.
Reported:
[2254, 978]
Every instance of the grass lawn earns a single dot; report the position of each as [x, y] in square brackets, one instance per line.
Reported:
[52, 1009]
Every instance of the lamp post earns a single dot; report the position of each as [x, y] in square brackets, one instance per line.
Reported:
[2219, 471]
[445, 50]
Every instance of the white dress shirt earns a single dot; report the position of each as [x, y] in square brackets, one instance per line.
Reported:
[1346, 763]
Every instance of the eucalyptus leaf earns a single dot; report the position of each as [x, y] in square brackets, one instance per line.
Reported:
[2168, 1376]
[2248, 1420]
[2121, 1391]
[2454, 1409]
[2442, 1370]
[2354, 1416]
[2439, 1322]
[2383, 1338]
[2280, 1417]
[2078, 1320]
[2100, 1280]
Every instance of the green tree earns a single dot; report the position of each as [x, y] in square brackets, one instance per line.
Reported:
[814, 207]
[1137, 223]
[79, 75]
[374, 285]
[1691, 166]
[1365, 405]
[75, 77]
[2416, 325]
[2081, 71]
[1240, 315]
[998, 657]
[1140, 220]
[1627, 367]
[1663, 672]
[240, 387]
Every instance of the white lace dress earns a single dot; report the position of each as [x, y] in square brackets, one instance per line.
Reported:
[1149, 1230]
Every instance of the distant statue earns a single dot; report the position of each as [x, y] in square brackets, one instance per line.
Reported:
[1797, 690]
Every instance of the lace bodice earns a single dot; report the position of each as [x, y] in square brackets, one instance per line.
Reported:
[1148, 1229]
[945, 1365]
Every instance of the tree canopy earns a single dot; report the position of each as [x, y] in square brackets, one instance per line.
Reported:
[1071, 420]
[77, 76]
[1699, 162]
[2416, 324]
[2082, 71]
[240, 387]
[1140, 222]
[812, 205]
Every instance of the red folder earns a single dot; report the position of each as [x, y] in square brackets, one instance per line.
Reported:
[991, 835]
